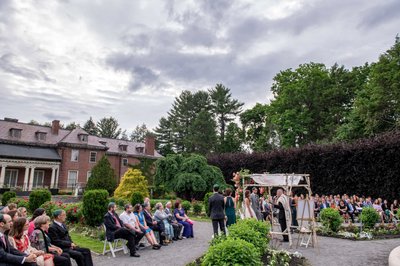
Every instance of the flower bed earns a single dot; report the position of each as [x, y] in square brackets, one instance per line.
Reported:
[352, 232]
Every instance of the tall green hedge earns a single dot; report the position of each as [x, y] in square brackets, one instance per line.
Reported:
[37, 198]
[95, 206]
[364, 167]
[7, 196]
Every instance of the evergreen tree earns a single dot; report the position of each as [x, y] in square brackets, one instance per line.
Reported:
[224, 108]
[108, 127]
[102, 176]
[124, 135]
[202, 136]
[132, 181]
[139, 134]
[90, 127]
[164, 133]
[234, 138]
[71, 126]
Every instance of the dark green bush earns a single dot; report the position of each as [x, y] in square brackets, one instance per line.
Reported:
[369, 217]
[331, 219]
[186, 206]
[95, 206]
[136, 198]
[205, 200]
[245, 231]
[232, 252]
[102, 176]
[6, 196]
[260, 226]
[197, 207]
[37, 198]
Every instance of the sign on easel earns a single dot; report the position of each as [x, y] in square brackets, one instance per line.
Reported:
[305, 210]
[305, 216]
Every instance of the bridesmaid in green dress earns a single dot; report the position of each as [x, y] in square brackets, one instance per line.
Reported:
[230, 206]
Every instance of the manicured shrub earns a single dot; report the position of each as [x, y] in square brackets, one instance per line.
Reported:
[331, 219]
[369, 217]
[245, 231]
[95, 206]
[186, 206]
[197, 207]
[260, 226]
[51, 206]
[136, 198]
[232, 252]
[6, 196]
[205, 200]
[132, 181]
[37, 198]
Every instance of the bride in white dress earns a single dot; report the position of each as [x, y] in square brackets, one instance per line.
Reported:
[248, 211]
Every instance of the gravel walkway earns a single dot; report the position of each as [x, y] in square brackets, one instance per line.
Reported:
[176, 254]
[334, 251]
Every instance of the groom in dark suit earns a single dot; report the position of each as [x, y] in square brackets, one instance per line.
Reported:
[60, 237]
[216, 207]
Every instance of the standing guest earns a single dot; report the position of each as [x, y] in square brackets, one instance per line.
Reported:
[266, 208]
[138, 212]
[293, 208]
[216, 206]
[282, 203]
[19, 240]
[230, 207]
[38, 212]
[184, 220]
[156, 227]
[161, 217]
[248, 210]
[59, 236]
[22, 212]
[174, 223]
[131, 222]
[41, 241]
[255, 203]
[8, 254]
[115, 229]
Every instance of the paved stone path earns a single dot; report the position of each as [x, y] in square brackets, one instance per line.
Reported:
[335, 251]
[178, 253]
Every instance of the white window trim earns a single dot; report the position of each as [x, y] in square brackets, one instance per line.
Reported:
[88, 174]
[77, 177]
[33, 184]
[72, 152]
[16, 179]
[127, 161]
[90, 157]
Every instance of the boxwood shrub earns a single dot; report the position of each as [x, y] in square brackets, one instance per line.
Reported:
[7, 196]
[232, 252]
[197, 207]
[186, 206]
[37, 198]
[369, 217]
[242, 230]
[331, 219]
[95, 206]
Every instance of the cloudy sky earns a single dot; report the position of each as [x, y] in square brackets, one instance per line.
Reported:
[72, 59]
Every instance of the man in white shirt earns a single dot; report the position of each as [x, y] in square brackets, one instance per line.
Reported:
[130, 221]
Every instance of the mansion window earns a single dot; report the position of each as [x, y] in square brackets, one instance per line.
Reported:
[123, 147]
[125, 161]
[38, 178]
[74, 155]
[140, 149]
[15, 133]
[93, 156]
[11, 178]
[72, 179]
[41, 136]
[83, 137]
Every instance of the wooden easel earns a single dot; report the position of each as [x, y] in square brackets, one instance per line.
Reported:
[307, 234]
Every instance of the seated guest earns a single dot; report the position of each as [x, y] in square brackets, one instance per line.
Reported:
[130, 221]
[386, 210]
[156, 227]
[343, 210]
[8, 254]
[161, 217]
[138, 212]
[394, 207]
[22, 212]
[378, 208]
[59, 236]
[183, 219]
[38, 212]
[19, 240]
[115, 229]
[41, 241]
[13, 214]
[12, 207]
[173, 222]
[350, 209]
[324, 204]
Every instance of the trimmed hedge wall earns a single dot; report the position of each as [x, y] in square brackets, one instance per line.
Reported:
[369, 167]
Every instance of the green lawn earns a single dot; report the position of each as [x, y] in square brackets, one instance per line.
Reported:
[87, 242]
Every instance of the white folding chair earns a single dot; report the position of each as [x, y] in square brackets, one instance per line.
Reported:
[115, 246]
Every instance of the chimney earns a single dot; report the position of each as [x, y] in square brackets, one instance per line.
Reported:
[149, 145]
[55, 127]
